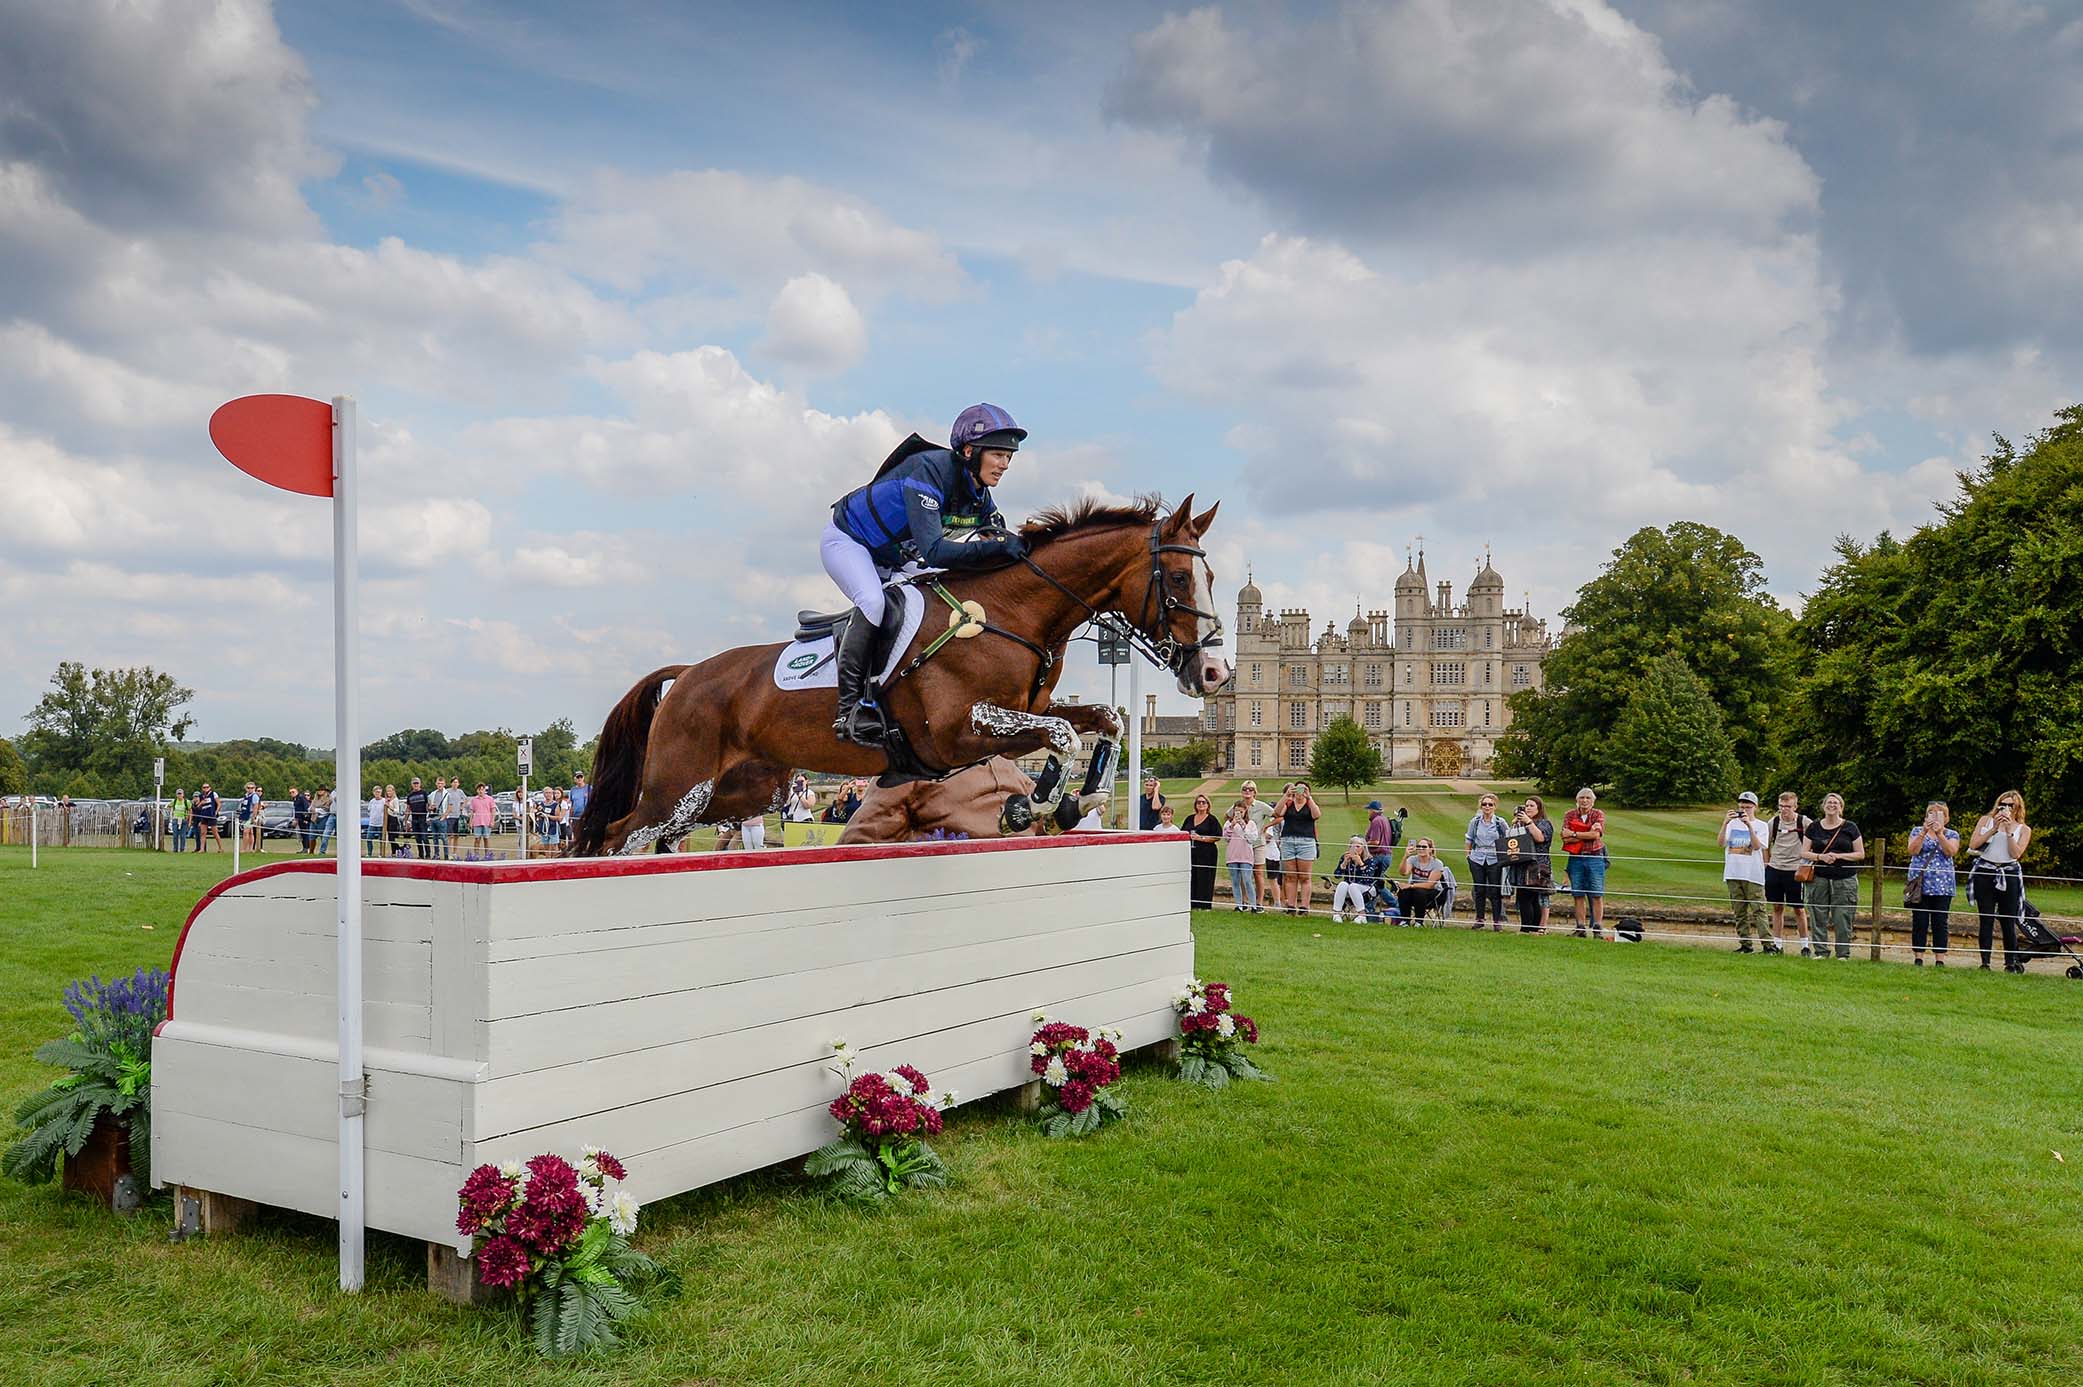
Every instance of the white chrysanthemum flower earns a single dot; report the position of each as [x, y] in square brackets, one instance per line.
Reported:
[586, 1152]
[521, 1183]
[1196, 1005]
[1225, 1026]
[589, 1170]
[593, 1196]
[512, 1170]
[1055, 1074]
[897, 1081]
[622, 1210]
[1040, 1018]
[1037, 1048]
[1179, 999]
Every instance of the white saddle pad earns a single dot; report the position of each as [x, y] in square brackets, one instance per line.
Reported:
[815, 664]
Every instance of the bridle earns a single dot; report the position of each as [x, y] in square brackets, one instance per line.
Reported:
[1158, 603]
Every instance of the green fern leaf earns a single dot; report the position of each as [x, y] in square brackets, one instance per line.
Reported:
[545, 1319]
[572, 1309]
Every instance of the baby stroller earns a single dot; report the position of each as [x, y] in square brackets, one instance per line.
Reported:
[2039, 941]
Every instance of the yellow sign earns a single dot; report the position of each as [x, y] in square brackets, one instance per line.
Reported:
[811, 835]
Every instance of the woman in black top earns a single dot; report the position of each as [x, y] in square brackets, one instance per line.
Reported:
[1298, 815]
[1527, 851]
[1205, 831]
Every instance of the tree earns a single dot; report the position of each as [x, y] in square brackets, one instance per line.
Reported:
[1188, 758]
[1943, 666]
[14, 774]
[102, 728]
[1669, 746]
[1687, 590]
[1343, 756]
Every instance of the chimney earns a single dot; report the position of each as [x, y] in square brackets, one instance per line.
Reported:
[1149, 712]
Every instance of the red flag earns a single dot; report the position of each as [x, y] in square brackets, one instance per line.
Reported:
[285, 440]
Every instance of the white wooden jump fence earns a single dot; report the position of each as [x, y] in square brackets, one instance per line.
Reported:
[677, 1010]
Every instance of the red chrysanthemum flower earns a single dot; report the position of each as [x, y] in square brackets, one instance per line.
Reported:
[1076, 1096]
[918, 1080]
[610, 1167]
[550, 1174]
[1247, 1028]
[502, 1263]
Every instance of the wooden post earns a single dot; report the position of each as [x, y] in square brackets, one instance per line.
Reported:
[1028, 1097]
[199, 1211]
[454, 1278]
[1880, 860]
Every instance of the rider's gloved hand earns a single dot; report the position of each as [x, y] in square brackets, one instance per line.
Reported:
[1013, 547]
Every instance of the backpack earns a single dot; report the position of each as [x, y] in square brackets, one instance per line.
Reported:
[1772, 836]
[1395, 831]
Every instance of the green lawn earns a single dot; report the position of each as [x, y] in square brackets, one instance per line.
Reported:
[1487, 1159]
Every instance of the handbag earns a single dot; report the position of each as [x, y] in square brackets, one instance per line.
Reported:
[1913, 889]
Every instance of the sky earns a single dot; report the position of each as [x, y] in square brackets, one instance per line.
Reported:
[629, 293]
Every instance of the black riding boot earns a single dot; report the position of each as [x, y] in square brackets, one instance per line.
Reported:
[859, 720]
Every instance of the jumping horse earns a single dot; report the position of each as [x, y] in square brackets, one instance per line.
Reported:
[719, 744]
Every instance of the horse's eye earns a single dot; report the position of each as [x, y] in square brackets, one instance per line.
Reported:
[1178, 579]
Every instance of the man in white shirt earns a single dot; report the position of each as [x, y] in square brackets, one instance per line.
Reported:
[1743, 872]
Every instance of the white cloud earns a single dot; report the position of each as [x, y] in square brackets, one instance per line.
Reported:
[813, 326]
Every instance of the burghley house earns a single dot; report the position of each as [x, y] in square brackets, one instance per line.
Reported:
[1429, 689]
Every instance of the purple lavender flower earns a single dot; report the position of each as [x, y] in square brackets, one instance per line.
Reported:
[122, 1011]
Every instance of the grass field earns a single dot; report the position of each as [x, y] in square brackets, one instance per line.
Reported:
[1487, 1159]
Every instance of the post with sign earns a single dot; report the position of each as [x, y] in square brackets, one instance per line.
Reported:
[158, 798]
[308, 446]
[527, 764]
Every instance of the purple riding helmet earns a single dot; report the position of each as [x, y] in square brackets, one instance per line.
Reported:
[988, 427]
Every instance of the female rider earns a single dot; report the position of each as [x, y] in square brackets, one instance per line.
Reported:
[906, 515]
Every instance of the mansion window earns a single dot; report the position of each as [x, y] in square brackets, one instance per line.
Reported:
[1486, 674]
[1297, 756]
[1446, 715]
[1298, 676]
[1406, 713]
[1373, 676]
[1256, 718]
[1450, 638]
[1374, 715]
[1336, 710]
[1257, 673]
[1486, 712]
[1449, 674]
[1489, 638]
[1254, 754]
[1335, 674]
[1298, 716]
[1406, 676]
[1520, 678]
[1209, 721]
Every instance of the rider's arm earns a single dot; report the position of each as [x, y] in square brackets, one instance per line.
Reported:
[922, 508]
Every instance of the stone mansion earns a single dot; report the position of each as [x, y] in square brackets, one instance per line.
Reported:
[1430, 690]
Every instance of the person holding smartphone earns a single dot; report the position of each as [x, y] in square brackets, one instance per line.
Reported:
[2001, 837]
[1298, 814]
[1528, 848]
[1743, 850]
[1932, 848]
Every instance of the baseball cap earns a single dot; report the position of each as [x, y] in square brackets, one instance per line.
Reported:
[1748, 797]
[1374, 804]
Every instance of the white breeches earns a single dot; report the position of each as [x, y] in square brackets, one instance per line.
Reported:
[846, 560]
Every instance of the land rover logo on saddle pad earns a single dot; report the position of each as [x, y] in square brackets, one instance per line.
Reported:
[803, 661]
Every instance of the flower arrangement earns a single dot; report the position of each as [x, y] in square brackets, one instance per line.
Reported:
[884, 1120]
[1212, 1037]
[1077, 1065]
[110, 1055]
[558, 1235]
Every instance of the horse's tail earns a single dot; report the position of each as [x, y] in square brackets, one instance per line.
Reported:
[618, 761]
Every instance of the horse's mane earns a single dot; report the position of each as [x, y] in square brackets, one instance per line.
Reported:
[1088, 513]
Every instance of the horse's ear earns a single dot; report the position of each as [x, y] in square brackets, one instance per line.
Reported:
[1206, 518]
[1182, 515]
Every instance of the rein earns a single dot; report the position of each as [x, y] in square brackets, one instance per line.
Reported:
[1162, 649]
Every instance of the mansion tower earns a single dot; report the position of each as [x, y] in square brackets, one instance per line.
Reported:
[1430, 690]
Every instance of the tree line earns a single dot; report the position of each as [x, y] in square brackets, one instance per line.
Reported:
[1937, 666]
[94, 735]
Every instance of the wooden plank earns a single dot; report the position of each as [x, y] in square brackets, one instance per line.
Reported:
[522, 909]
[406, 1195]
[412, 1114]
[1077, 902]
[523, 987]
[534, 1042]
[460, 983]
[215, 1001]
[282, 915]
[401, 975]
[1083, 993]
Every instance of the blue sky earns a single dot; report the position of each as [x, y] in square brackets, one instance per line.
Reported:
[630, 292]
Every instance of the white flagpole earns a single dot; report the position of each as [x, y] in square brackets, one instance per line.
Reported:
[1135, 738]
[347, 770]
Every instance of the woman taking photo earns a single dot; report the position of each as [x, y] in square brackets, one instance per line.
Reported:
[1423, 875]
[1932, 848]
[2001, 836]
[1205, 831]
[1528, 851]
[1298, 814]
[1832, 845]
[1244, 848]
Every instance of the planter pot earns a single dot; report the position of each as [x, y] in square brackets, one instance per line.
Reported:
[102, 1168]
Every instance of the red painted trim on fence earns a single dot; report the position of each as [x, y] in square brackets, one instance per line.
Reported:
[594, 868]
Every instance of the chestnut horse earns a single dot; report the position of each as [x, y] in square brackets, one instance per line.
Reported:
[721, 742]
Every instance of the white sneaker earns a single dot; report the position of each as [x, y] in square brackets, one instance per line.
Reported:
[1336, 918]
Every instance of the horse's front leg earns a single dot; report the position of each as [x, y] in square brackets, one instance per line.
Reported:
[996, 731]
[1093, 719]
